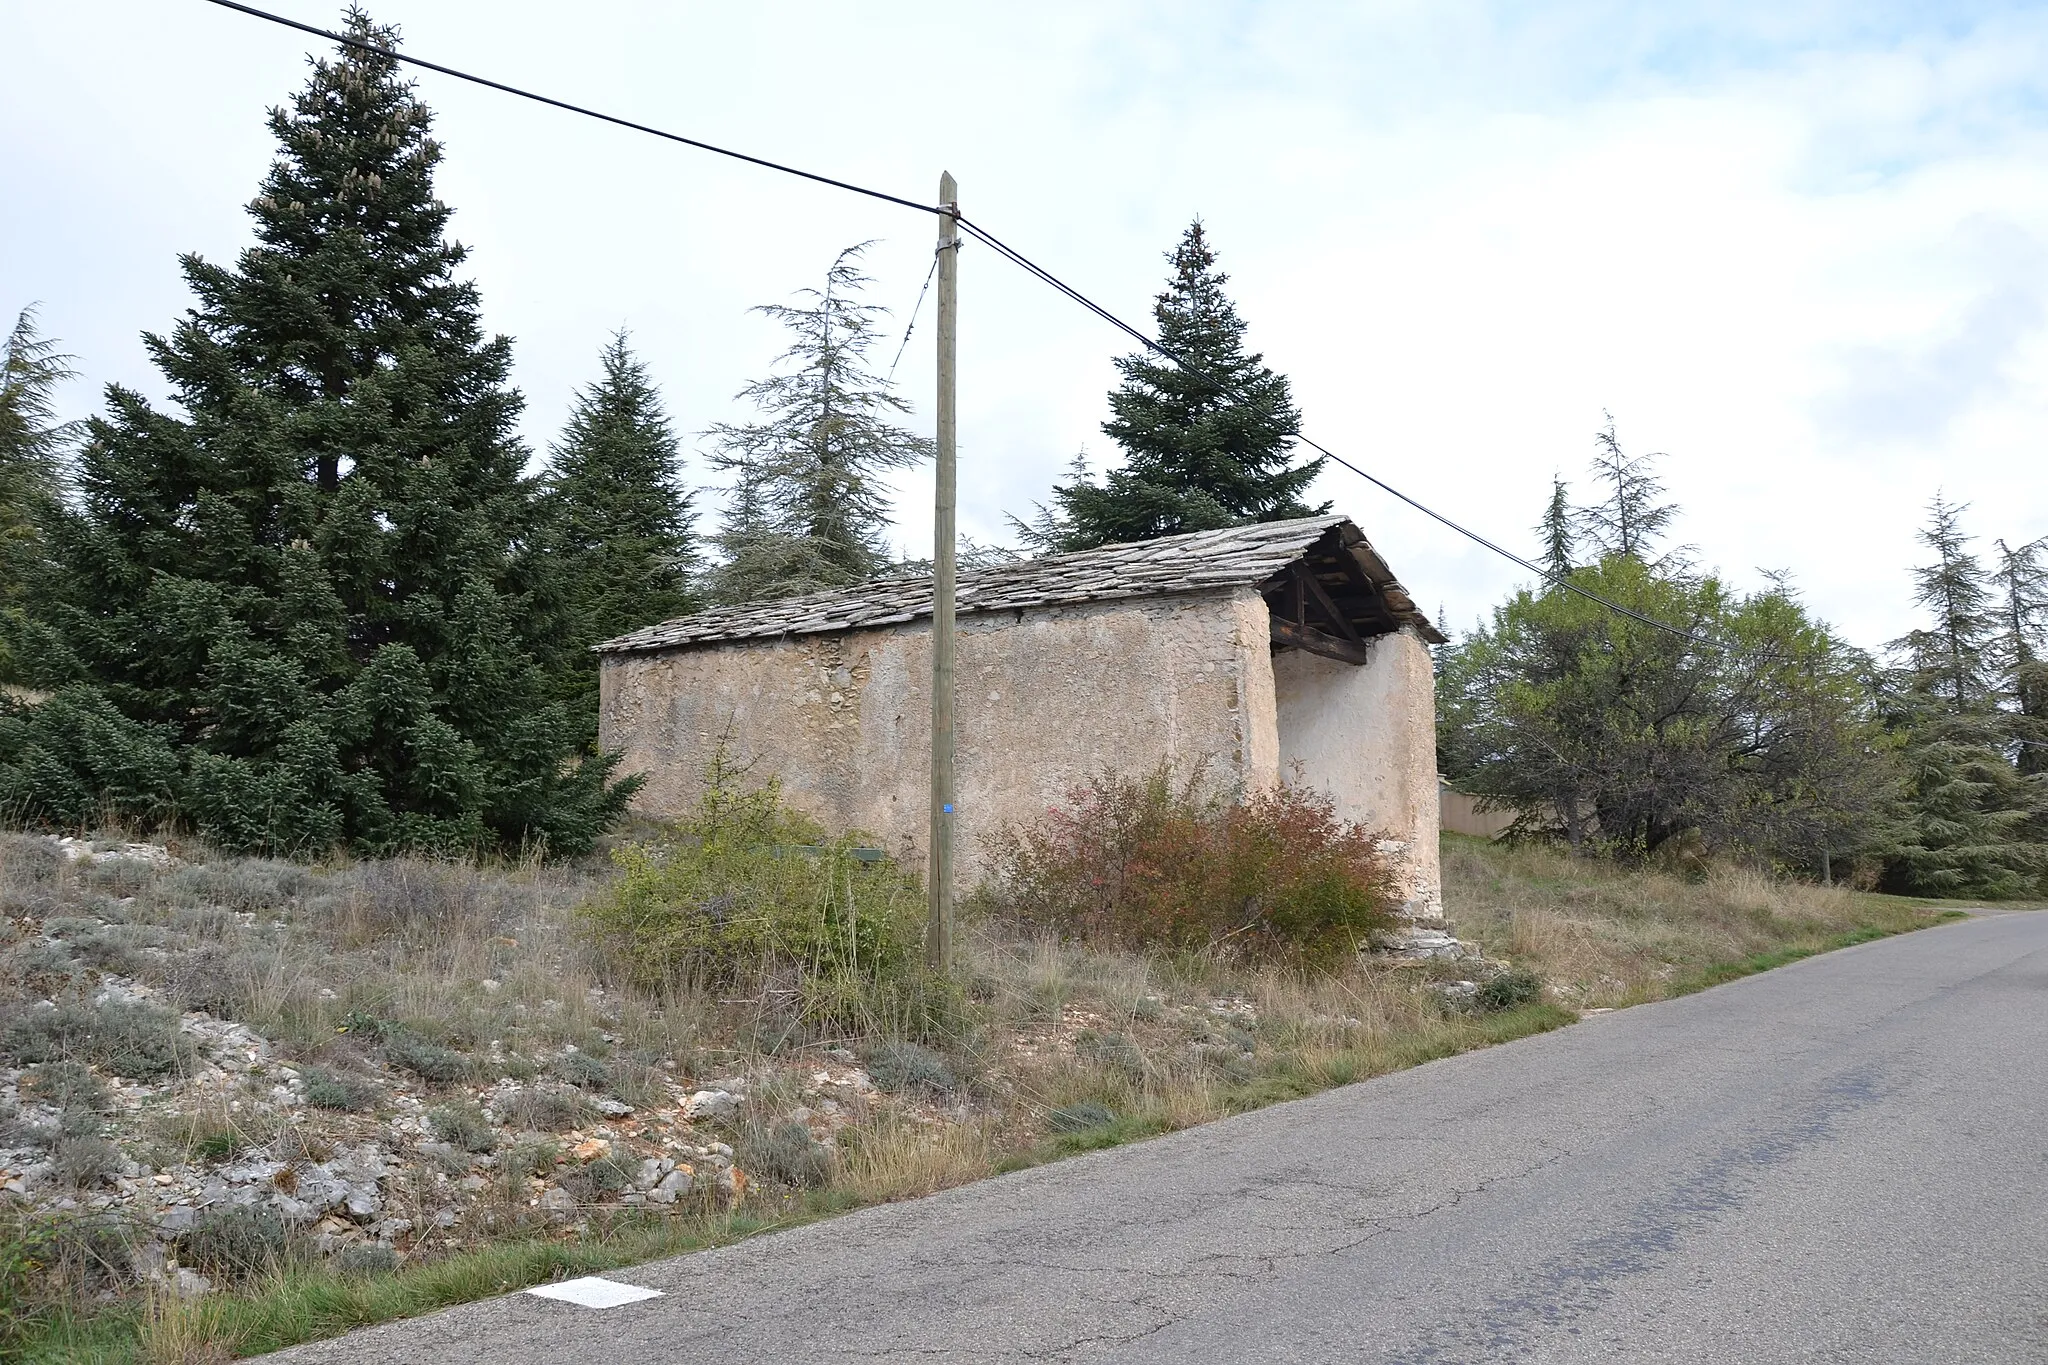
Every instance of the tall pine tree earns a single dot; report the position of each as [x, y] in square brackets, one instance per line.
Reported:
[1628, 520]
[1555, 531]
[1969, 811]
[809, 508]
[622, 550]
[32, 445]
[297, 611]
[2020, 580]
[1209, 442]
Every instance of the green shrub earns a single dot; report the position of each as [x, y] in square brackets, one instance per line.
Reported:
[427, 1060]
[51, 1263]
[214, 978]
[121, 876]
[235, 1243]
[43, 965]
[133, 1040]
[637, 1081]
[610, 1174]
[1152, 863]
[366, 1258]
[583, 1071]
[1080, 1118]
[542, 1109]
[66, 1085]
[29, 862]
[1112, 1050]
[110, 950]
[84, 1161]
[786, 1154]
[464, 1125]
[357, 1024]
[899, 1066]
[247, 884]
[750, 891]
[18, 1130]
[532, 1157]
[338, 1090]
[1507, 990]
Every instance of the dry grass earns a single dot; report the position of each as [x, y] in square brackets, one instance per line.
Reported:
[1603, 936]
[1060, 1047]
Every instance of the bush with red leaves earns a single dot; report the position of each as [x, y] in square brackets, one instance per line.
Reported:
[1154, 863]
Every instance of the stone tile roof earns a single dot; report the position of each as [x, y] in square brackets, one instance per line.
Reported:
[1237, 556]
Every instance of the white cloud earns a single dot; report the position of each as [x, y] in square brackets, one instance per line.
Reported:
[1793, 245]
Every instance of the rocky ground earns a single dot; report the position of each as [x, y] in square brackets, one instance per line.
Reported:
[136, 1093]
[205, 1141]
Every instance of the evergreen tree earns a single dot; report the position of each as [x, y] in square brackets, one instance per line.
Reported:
[623, 551]
[809, 507]
[1630, 737]
[1952, 660]
[1628, 520]
[1968, 808]
[32, 445]
[1209, 442]
[2020, 580]
[298, 613]
[1555, 532]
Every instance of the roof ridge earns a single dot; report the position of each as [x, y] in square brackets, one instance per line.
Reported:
[1195, 561]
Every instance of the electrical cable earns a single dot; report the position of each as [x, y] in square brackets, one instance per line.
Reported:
[980, 234]
[914, 310]
[1019, 259]
[346, 41]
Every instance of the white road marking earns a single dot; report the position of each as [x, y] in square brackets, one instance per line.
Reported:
[593, 1291]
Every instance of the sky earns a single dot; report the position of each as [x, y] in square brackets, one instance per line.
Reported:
[1798, 248]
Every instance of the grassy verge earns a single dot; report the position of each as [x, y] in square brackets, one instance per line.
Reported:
[1063, 1049]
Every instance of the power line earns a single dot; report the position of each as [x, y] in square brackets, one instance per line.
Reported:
[974, 230]
[914, 309]
[1150, 343]
[393, 54]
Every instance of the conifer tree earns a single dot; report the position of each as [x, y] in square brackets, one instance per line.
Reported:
[623, 551]
[2020, 580]
[298, 610]
[1969, 810]
[1208, 443]
[32, 444]
[1952, 659]
[1628, 520]
[810, 509]
[1555, 532]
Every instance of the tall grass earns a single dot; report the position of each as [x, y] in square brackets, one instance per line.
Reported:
[1051, 1044]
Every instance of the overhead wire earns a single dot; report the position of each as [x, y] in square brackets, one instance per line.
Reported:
[395, 55]
[915, 309]
[979, 233]
[1153, 344]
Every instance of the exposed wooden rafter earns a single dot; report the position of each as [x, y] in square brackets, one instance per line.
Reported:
[1312, 641]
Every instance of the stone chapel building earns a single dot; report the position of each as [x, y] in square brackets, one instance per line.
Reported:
[1280, 651]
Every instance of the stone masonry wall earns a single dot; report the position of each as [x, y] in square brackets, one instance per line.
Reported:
[1044, 698]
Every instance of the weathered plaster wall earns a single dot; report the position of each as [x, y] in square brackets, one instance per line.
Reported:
[845, 720]
[1366, 734]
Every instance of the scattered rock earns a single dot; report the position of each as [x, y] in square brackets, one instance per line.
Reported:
[712, 1104]
[557, 1202]
[672, 1186]
[1423, 943]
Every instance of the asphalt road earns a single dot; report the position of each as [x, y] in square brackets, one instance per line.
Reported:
[1842, 1160]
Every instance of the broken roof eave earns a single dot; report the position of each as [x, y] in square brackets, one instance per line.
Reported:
[1204, 561]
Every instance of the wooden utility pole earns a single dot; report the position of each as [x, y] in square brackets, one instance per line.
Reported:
[939, 929]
